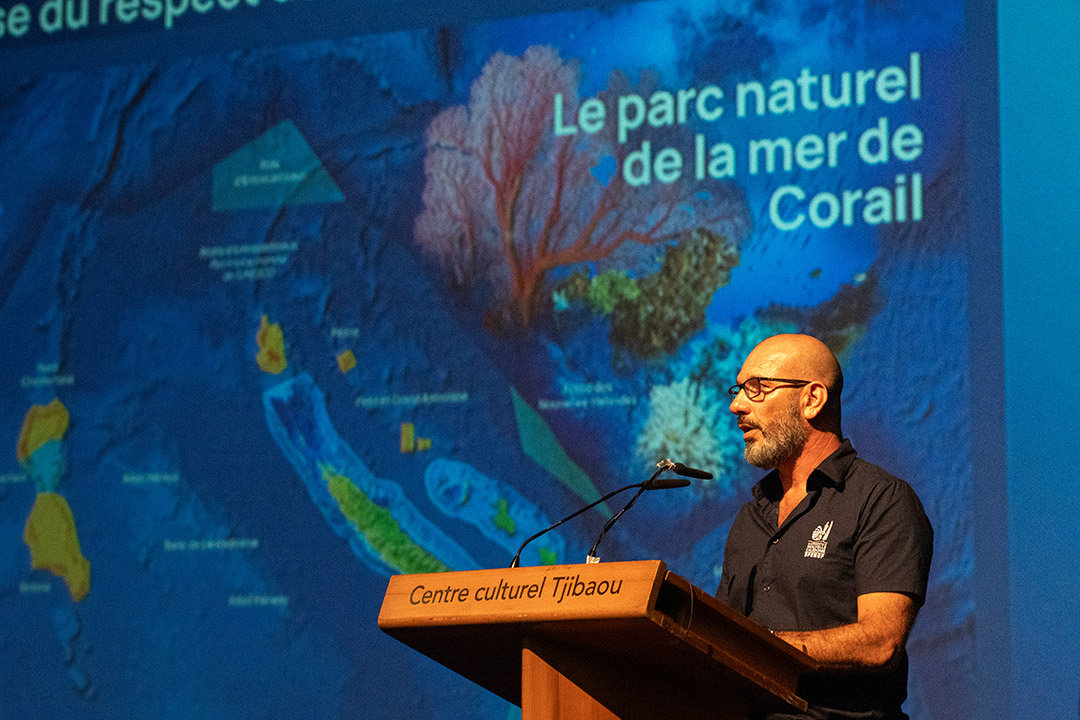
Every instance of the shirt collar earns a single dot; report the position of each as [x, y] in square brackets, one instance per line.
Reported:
[830, 471]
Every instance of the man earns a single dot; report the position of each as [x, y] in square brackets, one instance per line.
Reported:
[833, 553]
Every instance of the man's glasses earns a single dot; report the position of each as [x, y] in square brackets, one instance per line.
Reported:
[754, 391]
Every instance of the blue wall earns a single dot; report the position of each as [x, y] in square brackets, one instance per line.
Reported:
[1040, 121]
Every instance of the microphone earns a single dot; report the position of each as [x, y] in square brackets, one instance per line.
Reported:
[665, 483]
[653, 483]
[680, 469]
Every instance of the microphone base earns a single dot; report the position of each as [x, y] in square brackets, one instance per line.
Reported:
[591, 559]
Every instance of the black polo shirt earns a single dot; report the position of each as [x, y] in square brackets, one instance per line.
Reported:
[858, 530]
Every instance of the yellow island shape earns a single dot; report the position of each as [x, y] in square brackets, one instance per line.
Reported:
[346, 360]
[41, 424]
[271, 342]
[54, 543]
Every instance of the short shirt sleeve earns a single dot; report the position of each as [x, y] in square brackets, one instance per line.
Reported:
[894, 546]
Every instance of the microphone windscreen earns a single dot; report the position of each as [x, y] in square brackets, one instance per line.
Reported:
[691, 472]
[667, 483]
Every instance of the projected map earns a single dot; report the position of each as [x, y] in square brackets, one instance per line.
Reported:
[281, 323]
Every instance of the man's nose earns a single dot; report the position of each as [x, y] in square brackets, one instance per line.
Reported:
[738, 404]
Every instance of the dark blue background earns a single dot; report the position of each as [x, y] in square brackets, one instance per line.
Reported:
[1024, 391]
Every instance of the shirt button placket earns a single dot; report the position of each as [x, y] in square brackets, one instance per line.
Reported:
[766, 565]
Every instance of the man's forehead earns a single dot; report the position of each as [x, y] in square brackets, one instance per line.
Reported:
[768, 363]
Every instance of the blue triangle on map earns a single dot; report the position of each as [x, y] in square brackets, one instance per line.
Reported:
[275, 169]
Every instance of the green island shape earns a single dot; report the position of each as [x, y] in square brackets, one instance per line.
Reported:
[502, 518]
[379, 528]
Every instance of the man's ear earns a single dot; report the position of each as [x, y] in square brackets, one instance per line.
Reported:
[814, 400]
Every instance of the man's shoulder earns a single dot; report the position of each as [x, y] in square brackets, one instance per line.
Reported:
[874, 489]
[866, 474]
[846, 467]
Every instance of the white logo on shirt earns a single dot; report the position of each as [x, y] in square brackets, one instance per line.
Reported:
[819, 541]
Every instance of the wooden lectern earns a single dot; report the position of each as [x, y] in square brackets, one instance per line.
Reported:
[603, 641]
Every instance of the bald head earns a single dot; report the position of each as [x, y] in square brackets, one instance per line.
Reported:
[805, 356]
[802, 357]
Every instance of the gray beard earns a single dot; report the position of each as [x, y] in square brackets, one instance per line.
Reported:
[781, 441]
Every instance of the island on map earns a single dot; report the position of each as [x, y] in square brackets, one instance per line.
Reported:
[50, 529]
[54, 543]
[380, 529]
[346, 360]
[38, 446]
[271, 342]
[381, 524]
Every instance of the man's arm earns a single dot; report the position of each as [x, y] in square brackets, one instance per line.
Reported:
[874, 642]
